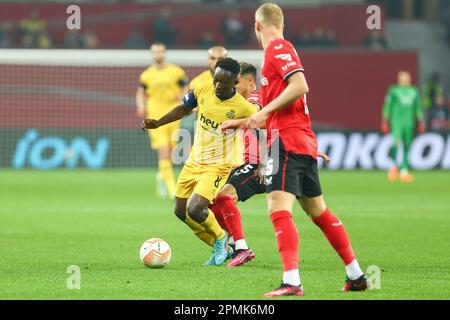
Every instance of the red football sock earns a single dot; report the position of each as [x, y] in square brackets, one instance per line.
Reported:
[231, 216]
[335, 232]
[218, 214]
[287, 238]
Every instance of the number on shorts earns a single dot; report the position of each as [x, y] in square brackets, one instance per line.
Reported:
[245, 169]
[216, 183]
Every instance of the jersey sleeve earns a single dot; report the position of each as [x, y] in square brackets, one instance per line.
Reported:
[285, 60]
[143, 80]
[182, 78]
[255, 99]
[190, 100]
[249, 110]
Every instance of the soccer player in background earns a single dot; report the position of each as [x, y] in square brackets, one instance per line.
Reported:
[208, 166]
[283, 90]
[400, 111]
[215, 54]
[161, 87]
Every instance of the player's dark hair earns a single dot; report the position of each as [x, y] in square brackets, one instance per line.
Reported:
[247, 68]
[230, 65]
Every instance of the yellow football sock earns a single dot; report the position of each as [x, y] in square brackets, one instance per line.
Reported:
[212, 226]
[166, 171]
[199, 231]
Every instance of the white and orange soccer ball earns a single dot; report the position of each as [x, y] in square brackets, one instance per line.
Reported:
[155, 253]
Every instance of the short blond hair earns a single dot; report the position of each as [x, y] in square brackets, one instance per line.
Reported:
[270, 14]
[219, 50]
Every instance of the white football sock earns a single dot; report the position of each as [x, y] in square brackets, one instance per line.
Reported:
[291, 277]
[353, 270]
[241, 244]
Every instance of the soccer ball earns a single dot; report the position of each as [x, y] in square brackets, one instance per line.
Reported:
[155, 253]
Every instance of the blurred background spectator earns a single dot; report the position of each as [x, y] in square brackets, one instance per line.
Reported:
[162, 28]
[33, 31]
[233, 30]
[91, 40]
[73, 39]
[208, 40]
[431, 88]
[376, 41]
[5, 40]
[135, 40]
[440, 114]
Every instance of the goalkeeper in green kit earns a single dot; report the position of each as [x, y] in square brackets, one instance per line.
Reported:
[400, 111]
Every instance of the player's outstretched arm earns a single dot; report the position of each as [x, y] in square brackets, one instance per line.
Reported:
[234, 124]
[297, 87]
[176, 114]
[238, 124]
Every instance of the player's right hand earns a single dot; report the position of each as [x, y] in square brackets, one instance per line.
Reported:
[141, 113]
[260, 173]
[148, 124]
[384, 127]
[325, 157]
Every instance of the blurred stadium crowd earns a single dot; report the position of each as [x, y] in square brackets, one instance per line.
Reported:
[165, 21]
[338, 25]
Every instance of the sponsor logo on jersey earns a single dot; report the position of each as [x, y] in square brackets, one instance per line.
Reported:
[264, 81]
[231, 114]
[209, 122]
[290, 64]
[284, 56]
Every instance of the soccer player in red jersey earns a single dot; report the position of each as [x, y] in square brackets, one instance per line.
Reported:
[247, 180]
[292, 171]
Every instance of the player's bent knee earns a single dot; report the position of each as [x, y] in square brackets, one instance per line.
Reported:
[313, 206]
[180, 208]
[228, 191]
[195, 210]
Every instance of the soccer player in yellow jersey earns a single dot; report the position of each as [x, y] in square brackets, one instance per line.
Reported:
[162, 87]
[206, 77]
[208, 166]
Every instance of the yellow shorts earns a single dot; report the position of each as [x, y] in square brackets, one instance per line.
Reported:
[164, 136]
[206, 181]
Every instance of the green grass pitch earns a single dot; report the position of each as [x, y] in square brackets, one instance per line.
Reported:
[98, 220]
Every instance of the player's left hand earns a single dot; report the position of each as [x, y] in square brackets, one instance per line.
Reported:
[258, 120]
[325, 157]
[421, 128]
[149, 124]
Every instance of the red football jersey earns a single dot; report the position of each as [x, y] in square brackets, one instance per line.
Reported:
[293, 122]
[251, 146]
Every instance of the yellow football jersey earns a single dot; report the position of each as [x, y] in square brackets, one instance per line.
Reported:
[203, 79]
[211, 146]
[162, 87]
